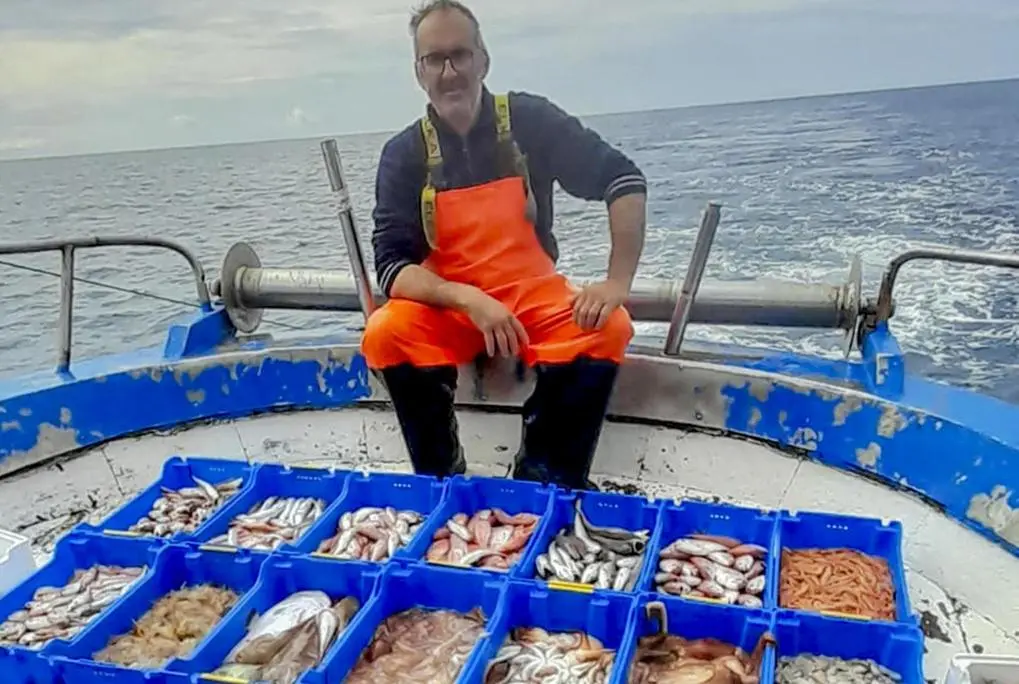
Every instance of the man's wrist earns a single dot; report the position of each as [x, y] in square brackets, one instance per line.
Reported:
[458, 295]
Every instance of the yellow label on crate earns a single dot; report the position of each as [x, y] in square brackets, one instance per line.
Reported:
[123, 533]
[576, 587]
[325, 556]
[223, 679]
[846, 616]
[217, 547]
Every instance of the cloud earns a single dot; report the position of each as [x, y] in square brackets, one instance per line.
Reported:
[20, 144]
[79, 75]
[69, 50]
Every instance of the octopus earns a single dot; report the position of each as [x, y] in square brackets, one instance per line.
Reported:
[419, 645]
[671, 659]
[664, 658]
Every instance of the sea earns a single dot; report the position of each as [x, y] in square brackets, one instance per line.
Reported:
[805, 185]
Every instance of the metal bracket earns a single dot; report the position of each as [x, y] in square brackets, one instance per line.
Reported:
[240, 256]
[852, 305]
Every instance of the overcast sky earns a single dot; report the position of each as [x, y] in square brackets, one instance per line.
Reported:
[99, 75]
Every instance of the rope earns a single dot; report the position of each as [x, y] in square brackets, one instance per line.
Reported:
[128, 290]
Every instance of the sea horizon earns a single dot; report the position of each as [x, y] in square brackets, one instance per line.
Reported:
[585, 116]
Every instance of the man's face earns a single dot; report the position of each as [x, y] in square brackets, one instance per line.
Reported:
[450, 65]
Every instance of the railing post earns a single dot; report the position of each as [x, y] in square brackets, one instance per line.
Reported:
[331, 155]
[65, 326]
[692, 280]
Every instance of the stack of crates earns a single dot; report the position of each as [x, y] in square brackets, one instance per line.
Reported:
[509, 599]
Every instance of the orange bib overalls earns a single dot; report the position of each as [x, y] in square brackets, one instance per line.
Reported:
[482, 236]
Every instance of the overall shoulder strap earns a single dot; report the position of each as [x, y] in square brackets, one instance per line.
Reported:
[433, 157]
[516, 159]
[433, 153]
[503, 125]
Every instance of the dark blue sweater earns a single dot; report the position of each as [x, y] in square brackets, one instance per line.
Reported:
[557, 147]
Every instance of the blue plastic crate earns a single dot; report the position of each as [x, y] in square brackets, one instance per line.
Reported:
[280, 481]
[176, 567]
[898, 647]
[868, 535]
[735, 625]
[66, 671]
[604, 510]
[468, 495]
[600, 614]
[403, 588]
[401, 491]
[80, 552]
[748, 525]
[177, 474]
[280, 577]
[19, 666]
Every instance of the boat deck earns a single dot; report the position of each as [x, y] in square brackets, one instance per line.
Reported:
[958, 581]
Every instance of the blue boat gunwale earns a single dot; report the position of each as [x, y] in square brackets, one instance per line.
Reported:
[176, 566]
[139, 506]
[403, 587]
[594, 506]
[423, 488]
[76, 551]
[274, 479]
[486, 492]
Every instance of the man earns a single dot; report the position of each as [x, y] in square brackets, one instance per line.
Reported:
[464, 251]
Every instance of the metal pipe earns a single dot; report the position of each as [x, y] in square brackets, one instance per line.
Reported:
[958, 256]
[65, 326]
[331, 155]
[692, 281]
[765, 303]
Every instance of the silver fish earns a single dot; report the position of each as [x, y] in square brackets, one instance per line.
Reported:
[695, 547]
[578, 554]
[183, 510]
[61, 612]
[371, 533]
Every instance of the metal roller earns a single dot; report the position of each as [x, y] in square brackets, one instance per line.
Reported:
[246, 288]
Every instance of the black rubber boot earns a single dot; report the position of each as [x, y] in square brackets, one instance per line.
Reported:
[562, 422]
[423, 400]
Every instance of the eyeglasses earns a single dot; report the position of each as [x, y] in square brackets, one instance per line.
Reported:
[460, 59]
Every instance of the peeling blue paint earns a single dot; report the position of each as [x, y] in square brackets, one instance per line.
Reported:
[113, 396]
[957, 448]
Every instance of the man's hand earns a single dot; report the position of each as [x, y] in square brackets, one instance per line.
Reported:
[503, 332]
[593, 305]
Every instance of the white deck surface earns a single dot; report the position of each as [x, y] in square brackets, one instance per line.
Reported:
[964, 587]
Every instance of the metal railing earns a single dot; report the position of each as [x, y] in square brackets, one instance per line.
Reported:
[949, 254]
[67, 249]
